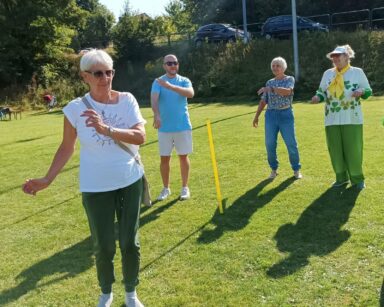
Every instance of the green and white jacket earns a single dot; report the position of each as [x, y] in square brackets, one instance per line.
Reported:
[344, 110]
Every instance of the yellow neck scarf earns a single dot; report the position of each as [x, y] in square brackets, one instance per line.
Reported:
[336, 88]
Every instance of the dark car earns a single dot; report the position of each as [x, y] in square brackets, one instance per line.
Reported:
[280, 26]
[218, 32]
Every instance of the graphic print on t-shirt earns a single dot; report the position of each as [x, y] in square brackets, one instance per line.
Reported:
[111, 120]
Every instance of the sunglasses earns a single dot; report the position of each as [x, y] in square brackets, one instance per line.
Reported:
[172, 63]
[99, 73]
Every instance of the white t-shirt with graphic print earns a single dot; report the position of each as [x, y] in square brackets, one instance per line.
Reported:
[104, 166]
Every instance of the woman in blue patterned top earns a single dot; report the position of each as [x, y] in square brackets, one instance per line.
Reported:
[278, 95]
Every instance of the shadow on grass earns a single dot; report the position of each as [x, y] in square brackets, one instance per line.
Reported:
[237, 216]
[6, 226]
[26, 140]
[19, 186]
[171, 249]
[30, 139]
[204, 125]
[155, 214]
[46, 112]
[62, 265]
[317, 231]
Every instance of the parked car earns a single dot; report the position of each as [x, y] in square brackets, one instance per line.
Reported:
[218, 32]
[279, 26]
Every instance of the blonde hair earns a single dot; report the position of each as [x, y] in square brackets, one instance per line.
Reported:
[346, 50]
[280, 61]
[350, 53]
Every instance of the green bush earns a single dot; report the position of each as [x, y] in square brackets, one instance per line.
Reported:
[219, 71]
[239, 70]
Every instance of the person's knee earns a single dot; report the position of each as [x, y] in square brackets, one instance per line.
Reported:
[131, 247]
[165, 160]
[270, 143]
[105, 251]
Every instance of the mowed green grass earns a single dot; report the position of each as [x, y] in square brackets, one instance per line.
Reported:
[279, 243]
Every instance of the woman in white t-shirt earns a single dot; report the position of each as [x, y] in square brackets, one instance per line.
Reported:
[342, 88]
[110, 179]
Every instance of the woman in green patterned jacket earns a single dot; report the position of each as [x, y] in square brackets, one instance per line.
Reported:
[342, 88]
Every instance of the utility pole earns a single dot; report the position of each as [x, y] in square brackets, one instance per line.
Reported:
[245, 22]
[295, 44]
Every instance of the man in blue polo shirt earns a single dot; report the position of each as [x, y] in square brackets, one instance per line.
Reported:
[170, 109]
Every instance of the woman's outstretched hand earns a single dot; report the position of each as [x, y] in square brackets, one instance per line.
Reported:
[32, 186]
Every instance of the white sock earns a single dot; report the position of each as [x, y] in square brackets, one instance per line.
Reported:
[131, 294]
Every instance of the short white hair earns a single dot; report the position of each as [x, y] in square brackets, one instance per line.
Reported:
[344, 49]
[94, 57]
[280, 61]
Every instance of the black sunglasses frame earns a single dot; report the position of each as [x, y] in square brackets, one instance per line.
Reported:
[171, 63]
[100, 73]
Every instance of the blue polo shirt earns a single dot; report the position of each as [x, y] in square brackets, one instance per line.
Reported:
[173, 107]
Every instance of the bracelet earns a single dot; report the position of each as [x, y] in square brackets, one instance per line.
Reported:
[110, 130]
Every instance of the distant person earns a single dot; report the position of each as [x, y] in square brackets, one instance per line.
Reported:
[110, 179]
[170, 109]
[341, 88]
[50, 101]
[278, 95]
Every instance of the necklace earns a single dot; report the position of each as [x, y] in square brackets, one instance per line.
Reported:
[101, 110]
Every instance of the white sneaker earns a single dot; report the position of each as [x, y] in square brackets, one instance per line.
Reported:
[298, 175]
[132, 301]
[185, 194]
[164, 194]
[105, 300]
[273, 174]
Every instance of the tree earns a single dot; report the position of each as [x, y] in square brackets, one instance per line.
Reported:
[133, 37]
[97, 30]
[179, 17]
[34, 37]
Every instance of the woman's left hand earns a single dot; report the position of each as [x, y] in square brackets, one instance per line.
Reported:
[94, 120]
[357, 93]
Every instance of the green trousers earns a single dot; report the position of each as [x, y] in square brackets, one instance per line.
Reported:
[345, 146]
[103, 209]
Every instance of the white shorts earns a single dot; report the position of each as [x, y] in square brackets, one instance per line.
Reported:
[182, 141]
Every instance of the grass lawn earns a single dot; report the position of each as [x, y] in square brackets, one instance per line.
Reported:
[279, 243]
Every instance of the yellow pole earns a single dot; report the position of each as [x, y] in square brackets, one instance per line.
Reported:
[214, 165]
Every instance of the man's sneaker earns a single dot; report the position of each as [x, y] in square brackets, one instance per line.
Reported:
[340, 183]
[273, 174]
[298, 175]
[105, 300]
[185, 194]
[164, 194]
[133, 302]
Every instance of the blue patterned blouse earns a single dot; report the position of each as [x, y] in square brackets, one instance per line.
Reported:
[276, 101]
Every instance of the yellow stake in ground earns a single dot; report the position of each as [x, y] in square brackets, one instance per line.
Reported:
[214, 165]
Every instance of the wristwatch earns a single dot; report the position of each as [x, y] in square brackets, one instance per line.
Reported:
[110, 131]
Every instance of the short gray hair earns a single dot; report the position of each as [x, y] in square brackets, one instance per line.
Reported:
[94, 57]
[281, 61]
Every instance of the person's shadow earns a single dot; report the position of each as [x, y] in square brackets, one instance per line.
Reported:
[237, 216]
[317, 231]
[65, 264]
